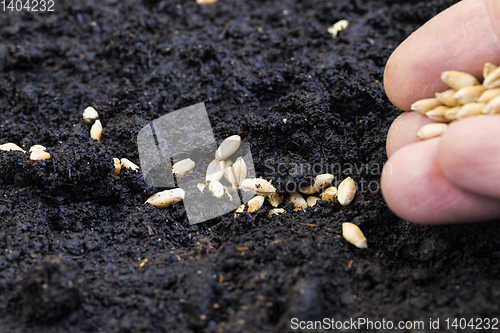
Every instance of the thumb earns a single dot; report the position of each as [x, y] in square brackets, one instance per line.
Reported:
[461, 38]
[469, 155]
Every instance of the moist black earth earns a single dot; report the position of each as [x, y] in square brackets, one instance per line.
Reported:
[81, 252]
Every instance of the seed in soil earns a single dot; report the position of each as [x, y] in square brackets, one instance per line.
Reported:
[215, 171]
[240, 209]
[240, 170]
[96, 130]
[216, 188]
[10, 146]
[166, 198]
[431, 130]
[275, 199]
[201, 187]
[354, 235]
[320, 181]
[258, 186]
[118, 166]
[231, 192]
[38, 153]
[205, 2]
[228, 147]
[346, 191]
[255, 203]
[298, 201]
[330, 194]
[183, 166]
[276, 211]
[127, 164]
[311, 201]
[90, 115]
[338, 27]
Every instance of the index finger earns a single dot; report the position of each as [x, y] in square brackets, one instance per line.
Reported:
[461, 38]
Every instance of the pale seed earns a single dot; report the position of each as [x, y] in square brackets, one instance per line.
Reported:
[470, 109]
[37, 147]
[431, 130]
[255, 203]
[166, 198]
[228, 147]
[437, 114]
[216, 188]
[311, 201]
[275, 199]
[231, 192]
[96, 130]
[451, 114]
[276, 211]
[298, 201]
[201, 187]
[128, 164]
[346, 191]
[493, 106]
[458, 80]
[215, 171]
[320, 181]
[240, 209]
[89, 115]
[258, 186]
[426, 104]
[337, 27]
[488, 95]
[330, 194]
[205, 2]
[10, 146]
[469, 94]
[488, 68]
[353, 234]
[38, 153]
[240, 170]
[229, 173]
[118, 166]
[446, 97]
[183, 166]
[493, 79]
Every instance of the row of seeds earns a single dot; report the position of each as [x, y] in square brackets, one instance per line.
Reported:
[90, 116]
[235, 173]
[467, 97]
[38, 152]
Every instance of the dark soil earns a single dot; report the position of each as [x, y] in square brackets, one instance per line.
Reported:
[75, 238]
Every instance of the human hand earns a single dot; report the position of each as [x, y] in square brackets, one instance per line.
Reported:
[455, 177]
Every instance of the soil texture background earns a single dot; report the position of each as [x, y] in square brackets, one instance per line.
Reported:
[81, 252]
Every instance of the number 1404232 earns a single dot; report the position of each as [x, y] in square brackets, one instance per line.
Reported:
[27, 5]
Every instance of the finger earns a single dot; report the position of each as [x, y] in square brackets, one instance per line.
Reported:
[469, 155]
[461, 38]
[403, 131]
[416, 190]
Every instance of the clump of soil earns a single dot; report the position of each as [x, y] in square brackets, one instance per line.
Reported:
[270, 72]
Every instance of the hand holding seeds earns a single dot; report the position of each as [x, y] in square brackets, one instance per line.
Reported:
[454, 177]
